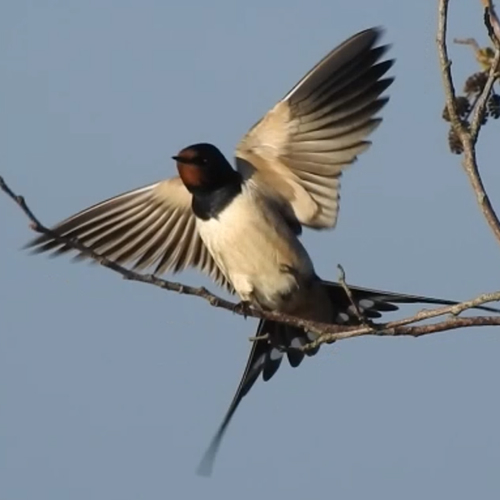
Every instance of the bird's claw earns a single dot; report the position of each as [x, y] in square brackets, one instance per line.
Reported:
[243, 307]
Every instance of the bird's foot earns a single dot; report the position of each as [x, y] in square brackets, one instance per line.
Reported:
[243, 307]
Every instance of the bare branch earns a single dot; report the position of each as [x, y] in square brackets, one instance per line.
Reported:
[445, 64]
[400, 327]
[396, 330]
[467, 136]
[468, 41]
[493, 21]
[327, 332]
[361, 317]
[480, 108]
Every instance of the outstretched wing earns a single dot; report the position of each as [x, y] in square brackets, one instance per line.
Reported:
[151, 227]
[300, 148]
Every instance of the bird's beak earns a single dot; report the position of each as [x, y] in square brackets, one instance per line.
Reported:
[176, 158]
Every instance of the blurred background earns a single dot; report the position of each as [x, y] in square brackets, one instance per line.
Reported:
[111, 389]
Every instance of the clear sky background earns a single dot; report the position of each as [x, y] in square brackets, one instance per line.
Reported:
[112, 390]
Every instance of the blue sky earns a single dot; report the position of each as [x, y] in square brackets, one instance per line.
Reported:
[112, 390]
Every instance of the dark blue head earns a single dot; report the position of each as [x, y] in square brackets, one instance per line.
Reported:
[203, 168]
[209, 177]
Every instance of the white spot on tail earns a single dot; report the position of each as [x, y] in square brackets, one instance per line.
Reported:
[366, 303]
[275, 354]
[342, 317]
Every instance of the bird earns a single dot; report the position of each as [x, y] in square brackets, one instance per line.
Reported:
[241, 226]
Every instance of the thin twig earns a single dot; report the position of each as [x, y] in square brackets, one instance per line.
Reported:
[468, 41]
[480, 108]
[256, 338]
[412, 331]
[342, 282]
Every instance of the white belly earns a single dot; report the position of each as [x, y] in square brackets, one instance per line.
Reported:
[256, 250]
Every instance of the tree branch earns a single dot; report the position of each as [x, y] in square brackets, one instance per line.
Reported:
[327, 332]
[468, 136]
[400, 327]
[396, 330]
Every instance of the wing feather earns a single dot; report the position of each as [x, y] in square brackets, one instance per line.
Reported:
[146, 227]
[319, 128]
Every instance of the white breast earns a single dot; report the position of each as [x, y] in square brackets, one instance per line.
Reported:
[251, 243]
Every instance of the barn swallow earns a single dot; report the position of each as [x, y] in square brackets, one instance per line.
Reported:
[241, 226]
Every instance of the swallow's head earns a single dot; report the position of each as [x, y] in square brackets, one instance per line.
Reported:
[202, 167]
